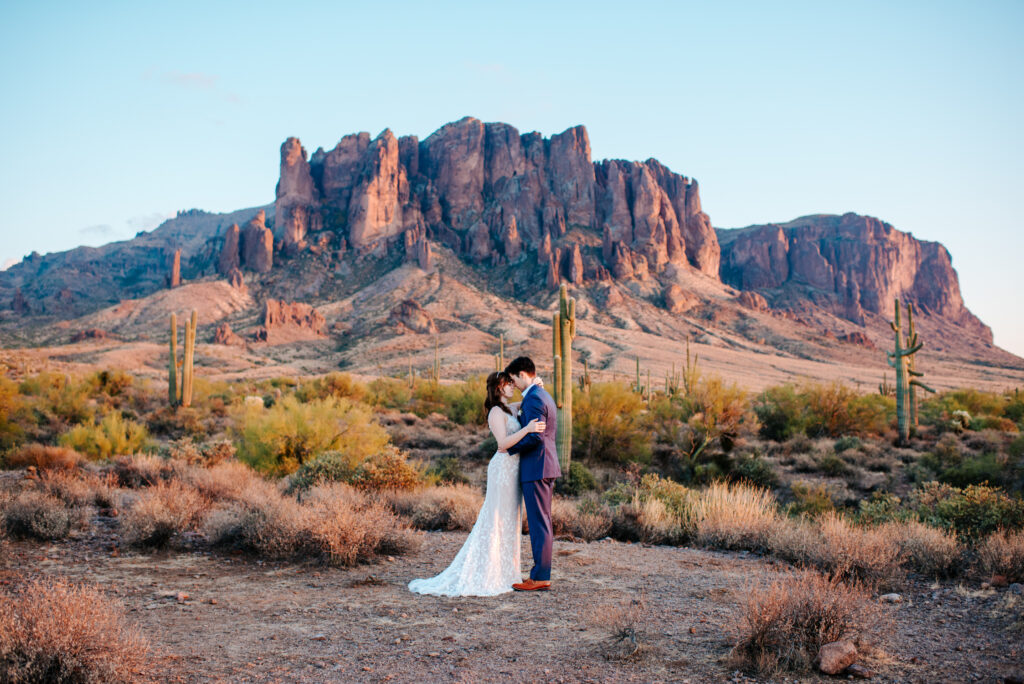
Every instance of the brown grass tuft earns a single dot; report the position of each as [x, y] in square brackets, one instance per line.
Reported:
[223, 481]
[735, 516]
[44, 457]
[161, 512]
[1002, 553]
[625, 622]
[447, 507]
[782, 626]
[144, 470]
[927, 550]
[866, 553]
[54, 631]
[587, 519]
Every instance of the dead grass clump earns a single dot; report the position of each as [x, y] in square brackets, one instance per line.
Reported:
[335, 524]
[625, 622]
[142, 470]
[735, 516]
[797, 540]
[587, 519]
[866, 553]
[647, 520]
[927, 550]
[1002, 553]
[783, 626]
[223, 481]
[44, 457]
[38, 515]
[53, 631]
[447, 507]
[80, 489]
[161, 512]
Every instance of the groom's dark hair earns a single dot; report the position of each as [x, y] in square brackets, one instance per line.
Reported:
[521, 364]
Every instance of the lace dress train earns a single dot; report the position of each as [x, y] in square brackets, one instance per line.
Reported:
[489, 561]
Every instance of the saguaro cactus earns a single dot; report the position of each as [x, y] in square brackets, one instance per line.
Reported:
[172, 367]
[898, 360]
[563, 332]
[912, 373]
[180, 394]
[435, 370]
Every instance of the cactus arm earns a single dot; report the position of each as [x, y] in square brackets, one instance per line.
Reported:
[923, 386]
[172, 371]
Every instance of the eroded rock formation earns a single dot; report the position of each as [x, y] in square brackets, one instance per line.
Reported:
[257, 248]
[848, 264]
[409, 315]
[288, 321]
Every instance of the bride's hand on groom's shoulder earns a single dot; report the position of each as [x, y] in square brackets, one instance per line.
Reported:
[539, 381]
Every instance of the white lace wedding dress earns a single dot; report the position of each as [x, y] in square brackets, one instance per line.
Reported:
[488, 562]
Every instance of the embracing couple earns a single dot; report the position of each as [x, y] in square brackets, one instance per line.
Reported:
[524, 469]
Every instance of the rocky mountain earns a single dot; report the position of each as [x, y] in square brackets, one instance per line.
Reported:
[505, 213]
[848, 264]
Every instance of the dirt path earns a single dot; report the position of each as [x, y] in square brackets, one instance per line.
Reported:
[249, 621]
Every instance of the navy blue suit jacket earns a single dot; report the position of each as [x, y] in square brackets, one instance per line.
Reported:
[538, 455]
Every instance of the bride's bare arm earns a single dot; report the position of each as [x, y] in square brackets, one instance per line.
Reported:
[496, 421]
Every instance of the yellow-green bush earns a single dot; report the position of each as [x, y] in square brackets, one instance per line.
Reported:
[609, 424]
[112, 436]
[338, 385]
[281, 438]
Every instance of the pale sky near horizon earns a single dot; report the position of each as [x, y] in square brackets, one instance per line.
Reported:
[117, 114]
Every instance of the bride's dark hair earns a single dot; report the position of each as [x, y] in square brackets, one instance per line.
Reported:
[494, 383]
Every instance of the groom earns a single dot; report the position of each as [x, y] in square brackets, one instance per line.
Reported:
[538, 468]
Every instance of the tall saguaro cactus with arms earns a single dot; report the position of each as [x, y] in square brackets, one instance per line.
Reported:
[563, 332]
[905, 377]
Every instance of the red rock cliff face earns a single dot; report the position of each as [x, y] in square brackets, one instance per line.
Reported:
[849, 263]
[493, 194]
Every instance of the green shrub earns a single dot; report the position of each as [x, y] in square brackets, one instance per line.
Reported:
[972, 511]
[847, 442]
[938, 409]
[833, 466]
[609, 425]
[882, 507]
[810, 500]
[780, 412]
[449, 470]
[754, 469]
[464, 401]
[113, 383]
[112, 436]
[389, 393]
[13, 412]
[578, 480]
[983, 469]
[1014, 409]
[280, 439]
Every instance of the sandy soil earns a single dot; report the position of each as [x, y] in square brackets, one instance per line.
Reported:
[249, 621]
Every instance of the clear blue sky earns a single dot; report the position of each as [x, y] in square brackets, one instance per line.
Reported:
[116, 114]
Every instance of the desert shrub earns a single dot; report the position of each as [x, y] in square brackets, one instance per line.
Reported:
[79, 490]
[59, 399]
[280, 439]
[880, 508]
[810, 500]
[590, 520]
[783, 626]
[609, 425]
[984, 469]
[335, 524]
[389, 393]
[944, 455]
[1002, 553]
[780, 413]
[734, 516]
[386, 469]
[847, 442]
[38, 515]
[754, 469]
[866, 553]
[1014, 408]
[625, 622]
[206, 453]
[44, 457]
[142, 470]
[971, 512]
[463, 402]
[827, 409]
[647, 520]
[448, 507]
[448, 470]
[576, 481]
[54, 631]
[13, 412]
[112, 383]
[996, 423]
[113, 435]
[832, 465]
[796, 540]
[225, 480]
[927, 550]
[337, 385]
[162, 512]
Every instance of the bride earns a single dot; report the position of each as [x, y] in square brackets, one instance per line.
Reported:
[488, 562]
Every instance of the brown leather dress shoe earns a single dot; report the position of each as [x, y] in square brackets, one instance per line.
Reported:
[532, 585]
